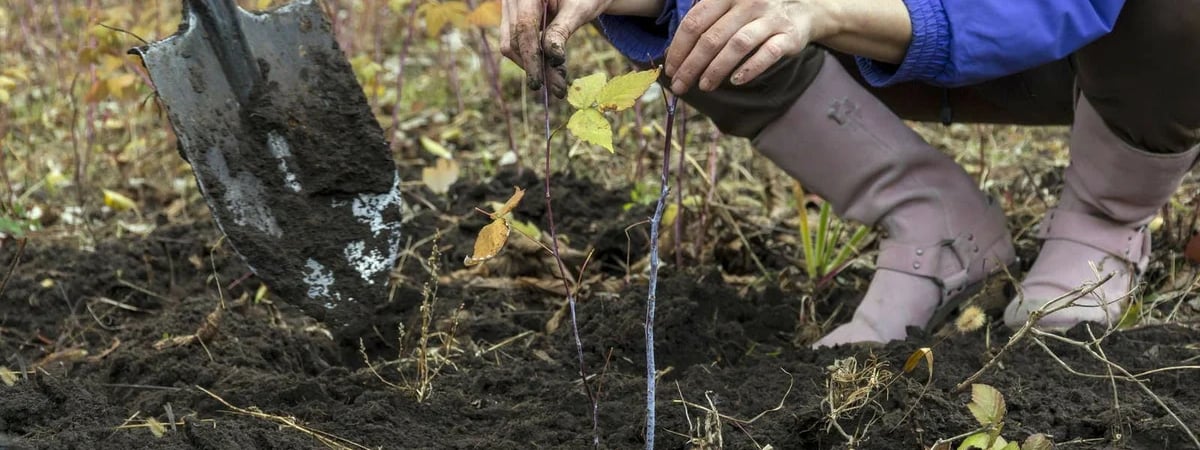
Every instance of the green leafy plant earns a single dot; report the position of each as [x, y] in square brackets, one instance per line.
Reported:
[593, 95]
[988, 407]
[827, 249]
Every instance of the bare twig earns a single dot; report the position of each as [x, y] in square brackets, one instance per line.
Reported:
[331, 441]
[651, 297]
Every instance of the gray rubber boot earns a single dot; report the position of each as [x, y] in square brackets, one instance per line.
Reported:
[1111, 192]
[944, 236]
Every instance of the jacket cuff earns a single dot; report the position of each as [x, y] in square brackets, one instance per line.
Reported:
[928, 53]
[644, 39]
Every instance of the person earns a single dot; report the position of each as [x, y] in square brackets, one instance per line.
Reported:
[822, 89]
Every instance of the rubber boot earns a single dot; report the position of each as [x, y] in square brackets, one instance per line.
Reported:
[943, 236]
[1111, 192]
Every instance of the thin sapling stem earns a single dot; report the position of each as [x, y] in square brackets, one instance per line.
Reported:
[680, 168]
[562, 269]
[651, 297]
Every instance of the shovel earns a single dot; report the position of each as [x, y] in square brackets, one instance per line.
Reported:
[290, 159]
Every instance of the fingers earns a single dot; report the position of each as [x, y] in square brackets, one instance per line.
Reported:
[698, 20]
[556, 81]
[767, 55]
[743, 42]
[567, 20]
[519, 25]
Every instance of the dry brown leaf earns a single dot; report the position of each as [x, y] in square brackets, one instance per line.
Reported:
[441, 176]
[490, 241]
[511, 204]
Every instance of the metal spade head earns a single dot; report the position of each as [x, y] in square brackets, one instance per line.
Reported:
[286, 151]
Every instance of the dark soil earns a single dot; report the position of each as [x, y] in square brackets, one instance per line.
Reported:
[509, 383]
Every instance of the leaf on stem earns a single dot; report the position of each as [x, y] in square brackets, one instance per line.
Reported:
[622, 91]
[987, 405]
[493, 236]
[591, 126]
[490, 241]
[982, 440]
[512, 203]
[583, 91]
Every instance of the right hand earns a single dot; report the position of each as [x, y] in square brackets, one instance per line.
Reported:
[521, 25]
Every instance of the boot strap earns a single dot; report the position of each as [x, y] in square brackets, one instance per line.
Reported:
[927, 261]
[1131, 245]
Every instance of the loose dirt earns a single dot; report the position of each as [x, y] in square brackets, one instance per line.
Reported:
[509, 383]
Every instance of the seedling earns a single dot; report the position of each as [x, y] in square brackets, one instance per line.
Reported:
[827, 250]
[988, 407]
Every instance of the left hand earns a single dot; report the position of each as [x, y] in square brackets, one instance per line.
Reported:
[717, 34]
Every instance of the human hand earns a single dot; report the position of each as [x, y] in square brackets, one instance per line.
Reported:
[716, 34]
[521, 24]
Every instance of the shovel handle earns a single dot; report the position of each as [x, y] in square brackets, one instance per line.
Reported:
[224, 32]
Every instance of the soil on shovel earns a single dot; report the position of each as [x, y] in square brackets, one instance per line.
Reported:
[97, 340]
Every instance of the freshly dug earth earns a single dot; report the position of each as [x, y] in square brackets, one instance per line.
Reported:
[508, 382]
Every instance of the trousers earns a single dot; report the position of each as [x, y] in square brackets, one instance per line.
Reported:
[1143, 78]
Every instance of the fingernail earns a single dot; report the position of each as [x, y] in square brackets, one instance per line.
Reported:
[737, 78]
[670, 69]
[706, 84]
[677, 87]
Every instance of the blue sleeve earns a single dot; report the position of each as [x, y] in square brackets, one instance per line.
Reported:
[645, 39]
[957, 42]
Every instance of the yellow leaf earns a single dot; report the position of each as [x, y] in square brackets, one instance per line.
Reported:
[987, 405]
[591, 126]
[441, 176]
[47, 283]
[621, 92]
[583, 91]
[8, 376]
[487, 14]
[117, 201]
[438, 14]
[923, 353]
[434, 147]
[261, 293]
[490, 241]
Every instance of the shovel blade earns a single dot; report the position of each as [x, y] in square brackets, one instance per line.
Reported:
[300, 177]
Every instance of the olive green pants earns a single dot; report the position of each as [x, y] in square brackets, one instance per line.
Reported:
[1143, 78]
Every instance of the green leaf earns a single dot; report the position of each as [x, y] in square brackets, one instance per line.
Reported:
[435, 148]
[591, 126]
[987, 405]
[621, 92]
[981, 440]
[583, 91]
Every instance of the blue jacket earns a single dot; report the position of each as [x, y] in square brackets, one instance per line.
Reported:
[954, 42]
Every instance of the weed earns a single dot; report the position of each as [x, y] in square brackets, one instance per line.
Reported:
[829, 248]
[988, 407]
